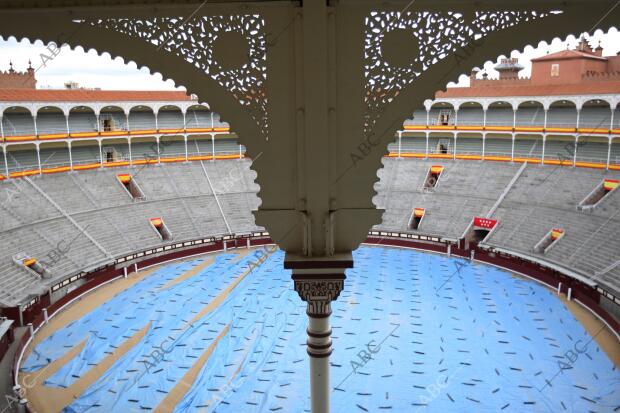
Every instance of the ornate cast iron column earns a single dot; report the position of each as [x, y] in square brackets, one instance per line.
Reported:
[319, 282]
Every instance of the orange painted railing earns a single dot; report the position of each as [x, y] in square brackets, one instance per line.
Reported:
[594, 165]
[97, 165]
[78, 135]
[530, 129]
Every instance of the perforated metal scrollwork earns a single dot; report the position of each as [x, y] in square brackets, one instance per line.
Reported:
[436, 35]
[195, 40]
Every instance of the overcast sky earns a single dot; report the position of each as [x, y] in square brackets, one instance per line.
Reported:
[91, 70]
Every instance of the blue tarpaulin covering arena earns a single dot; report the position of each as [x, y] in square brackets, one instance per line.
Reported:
[412, 332]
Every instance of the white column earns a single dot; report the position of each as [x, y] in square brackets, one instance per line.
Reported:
[512, 153]
[575, 154]
[456, 117]
[514, 119]
[1, 129]
[545, 124]
[156, 121]
[100, 153]
[426, 145]
[484, 142]
[45, 316]
[212, 141]
[124, 272]
[484, 119]
[158, 150]
[39, 158]
[611, 141]
[611, 123]
[428, 117]
[70, 156]
[98, 123]
[186, 154]
[319, 331]
[578, 118]
[400, 138]
[129, 145]
[569, 296]
[36, 129]
[454, 150]
[544, 144]
[240, 152]
[67, 121]
[318, 289]
[184, 122]
[127, 117]
[6, 163]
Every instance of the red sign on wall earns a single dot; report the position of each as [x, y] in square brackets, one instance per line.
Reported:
[485, 222]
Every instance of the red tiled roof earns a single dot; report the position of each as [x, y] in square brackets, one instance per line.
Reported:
[594, 88]
[568, 54]
[87, 95]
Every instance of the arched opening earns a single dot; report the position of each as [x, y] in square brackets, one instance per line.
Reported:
[170, 119]
[199, 117]
[112, 120]
[562, 116]
[595, 114]
[530, 114]
[142, 120]
[51, 123]
[500, 115]
[18, 124]
[442, 114]
[471, 114]
[82, 122]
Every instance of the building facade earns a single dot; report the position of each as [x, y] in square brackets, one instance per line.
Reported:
[566, 113]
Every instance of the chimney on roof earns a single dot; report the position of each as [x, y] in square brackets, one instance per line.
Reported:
[599, 50]
[71, 85]
[509, 68]
[583, 45]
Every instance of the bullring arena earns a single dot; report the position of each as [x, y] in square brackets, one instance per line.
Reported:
[490, 340]
[253, 241]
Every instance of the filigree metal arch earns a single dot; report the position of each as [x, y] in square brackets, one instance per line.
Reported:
[194, 41]
[264, 97]
[438, 35]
